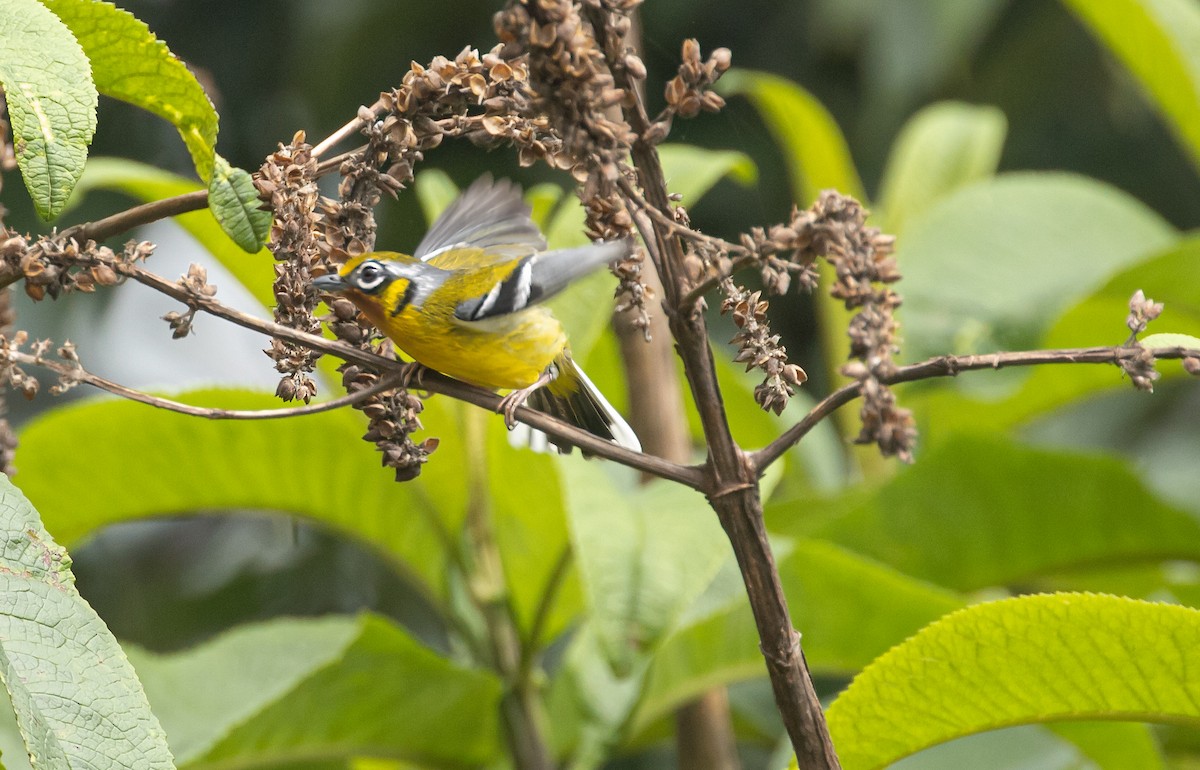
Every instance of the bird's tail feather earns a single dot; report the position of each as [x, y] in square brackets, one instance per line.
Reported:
[572, 397]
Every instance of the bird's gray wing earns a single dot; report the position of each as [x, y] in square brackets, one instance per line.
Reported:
[539, 277]
[490, 215]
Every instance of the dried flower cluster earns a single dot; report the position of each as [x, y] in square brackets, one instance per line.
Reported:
[196, 284]
[687, 93]
[759, 348]
[863, 259]
[1140, 367]
[287, 184]
[11, 373]
[53, 265]
[571, 83]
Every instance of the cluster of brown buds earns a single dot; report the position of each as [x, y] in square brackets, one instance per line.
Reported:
[759, 348]
[864, 263]
[196, 284]
[12, 355]
[785, 252]
[287, 185]
[53, 265]
[393, 417]
[1140, 367]
[571, 87]
[688, 92]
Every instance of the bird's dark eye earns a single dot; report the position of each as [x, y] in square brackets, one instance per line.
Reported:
[371, 276]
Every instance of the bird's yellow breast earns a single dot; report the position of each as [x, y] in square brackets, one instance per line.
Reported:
[504, 352]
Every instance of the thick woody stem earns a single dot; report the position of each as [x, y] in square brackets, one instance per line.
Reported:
[731, 481]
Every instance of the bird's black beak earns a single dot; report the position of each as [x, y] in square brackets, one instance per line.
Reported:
[332, 282]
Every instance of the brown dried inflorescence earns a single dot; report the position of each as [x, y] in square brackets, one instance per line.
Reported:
[53, 265]
[759, 348]
[864, 262]
[571, 87]
[287, 184]
[1140, 367]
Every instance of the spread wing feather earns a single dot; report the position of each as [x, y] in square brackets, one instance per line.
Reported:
[538, 277]
[489, 215]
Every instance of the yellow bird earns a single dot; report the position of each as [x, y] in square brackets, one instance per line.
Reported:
[465, 305]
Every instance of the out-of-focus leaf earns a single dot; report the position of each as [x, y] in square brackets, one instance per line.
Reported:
[940, 149]
[692, 171]
[288, 691]
[1157, 41]
[993, 264]
[131, 64]
[814, 147]
[77, 700]
[532, 534]
[591, 704]
[131, 462]
[51, 100]
[1114, 745]
[435, 192]
[644, 554]
[1031, 659]
[982, 511]
[1170, 340]
[849, 610]
[146, 183]
[235, 205]
[1172, 276]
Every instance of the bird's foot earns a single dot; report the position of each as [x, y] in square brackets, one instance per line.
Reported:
[509, 404]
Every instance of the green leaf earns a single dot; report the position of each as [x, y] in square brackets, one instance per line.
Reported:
[644, 554]
[77, 700]
[692, 171]
[1157, 40]
[316, 466]
[1027, 660]
[147, 183]
[363, 686]
[850, 610]
[532, 534]
[814, 147]
[1171, 341]
[941, 148]
[132, 65]
[1114, 745]
[977, 272]
[981, 511]
[233, 200]
[435, 192]
[51, 101]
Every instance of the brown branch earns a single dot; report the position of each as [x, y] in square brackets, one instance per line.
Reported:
[951, 366]
[730, 479]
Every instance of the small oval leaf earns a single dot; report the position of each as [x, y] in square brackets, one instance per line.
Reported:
[233, 200]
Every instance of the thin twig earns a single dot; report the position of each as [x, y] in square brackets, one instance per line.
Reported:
[950, 366]
[352, 127]
[389, 382]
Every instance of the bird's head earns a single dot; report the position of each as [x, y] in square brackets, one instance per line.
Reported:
[370, 274]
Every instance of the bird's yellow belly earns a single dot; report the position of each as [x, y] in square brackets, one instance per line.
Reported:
[508, 352]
